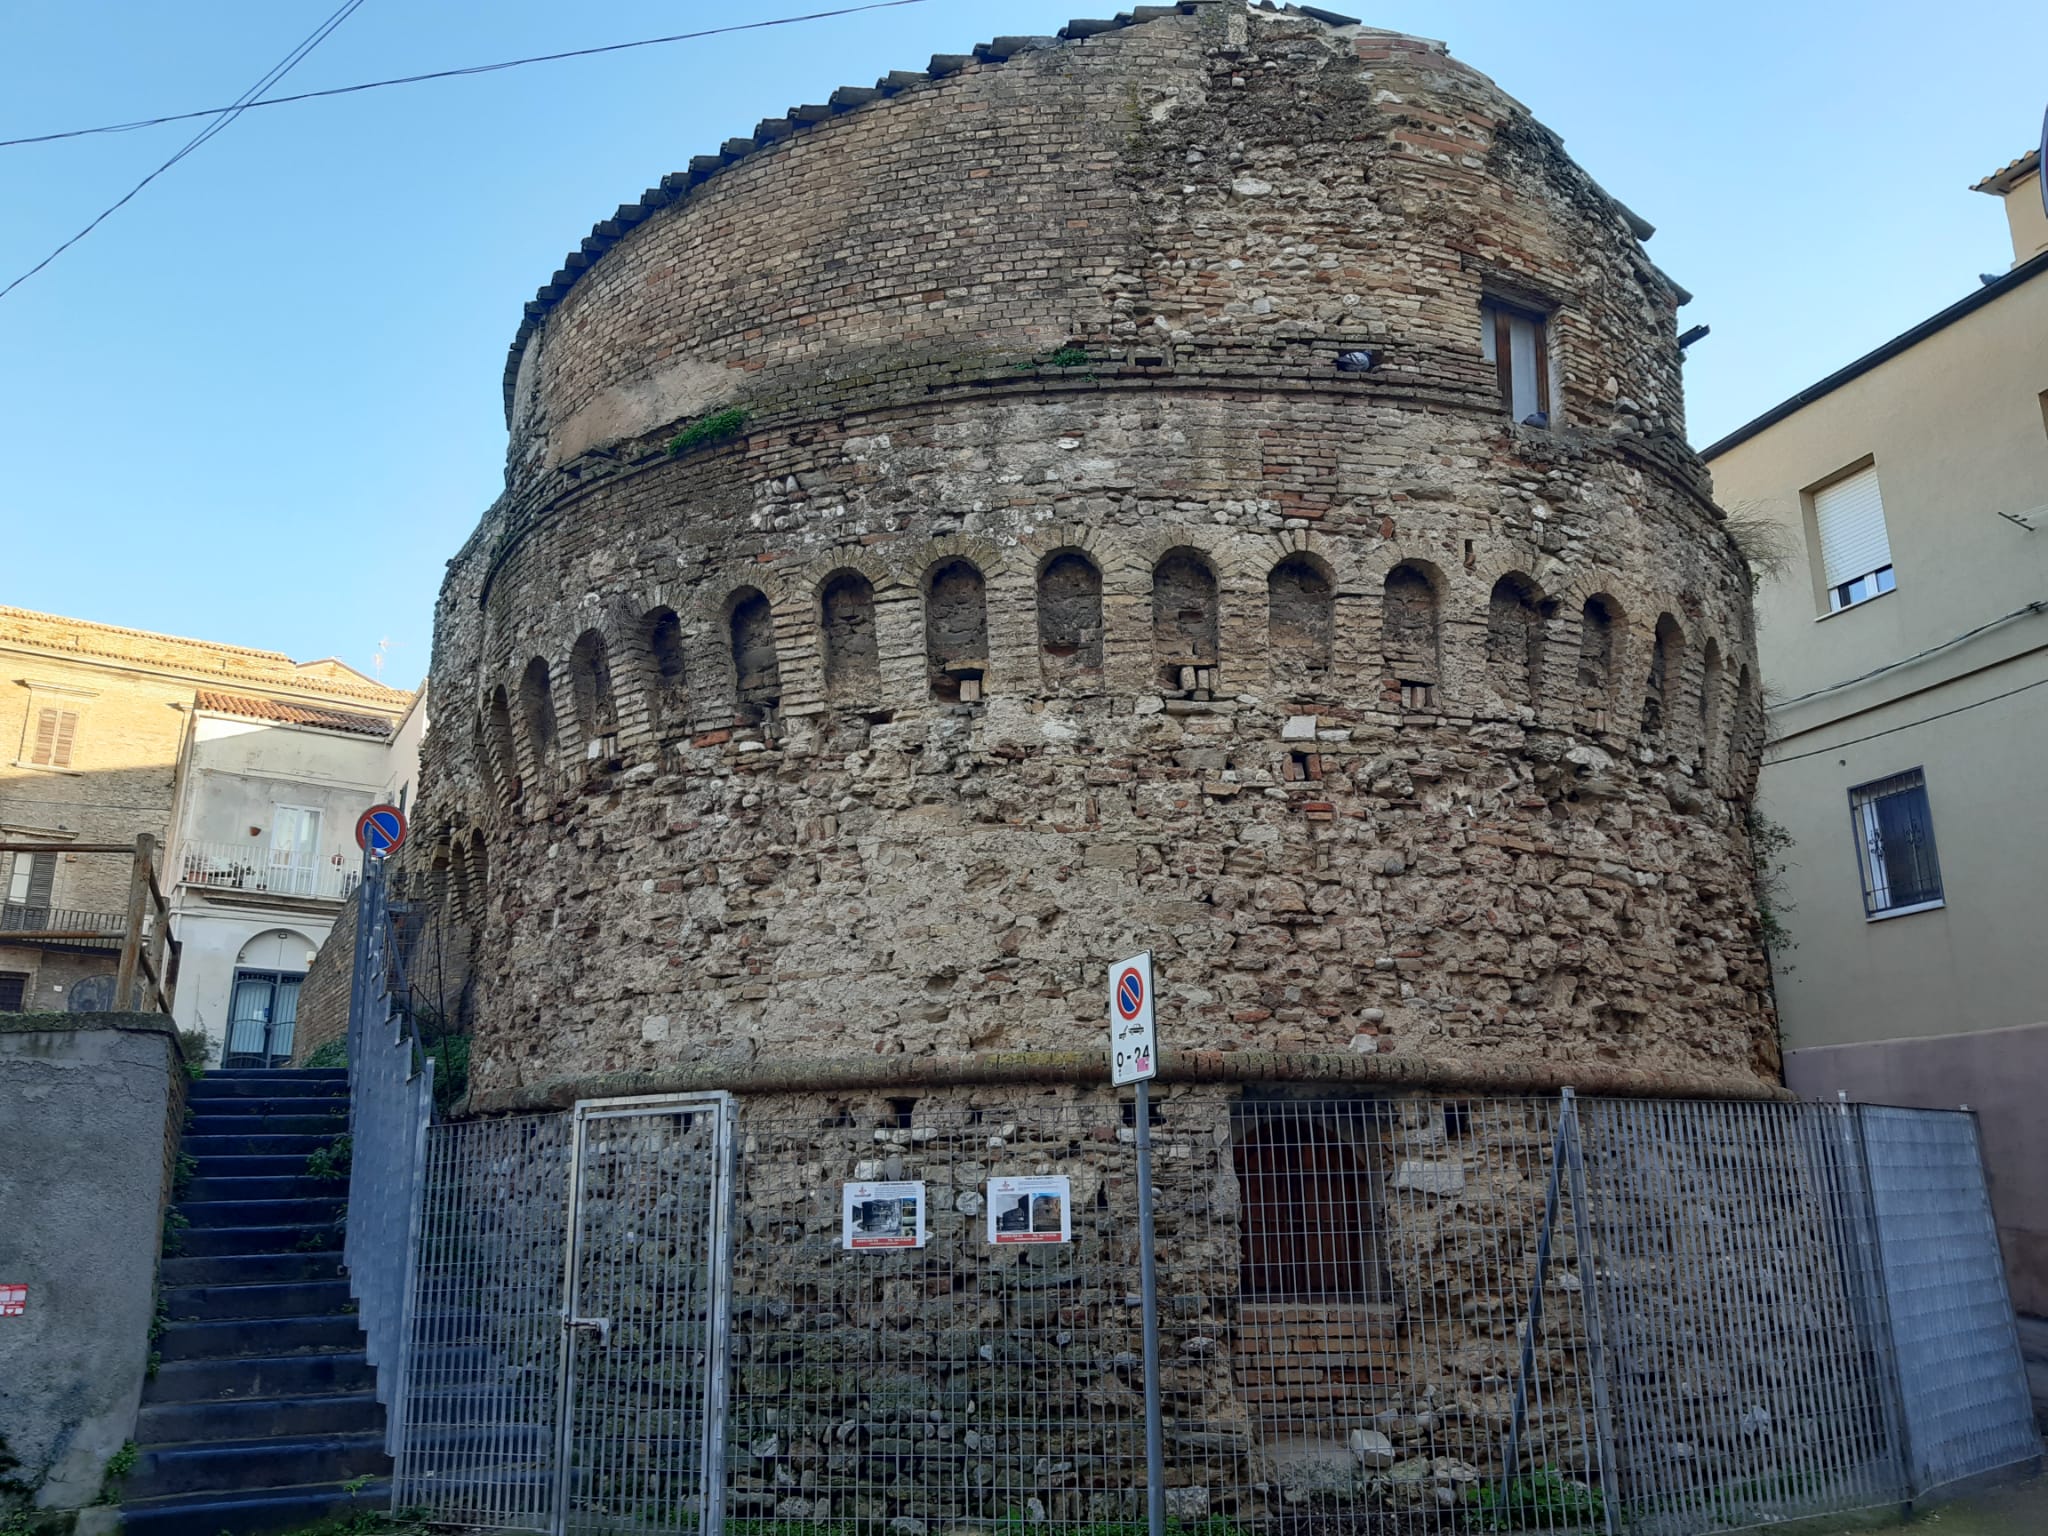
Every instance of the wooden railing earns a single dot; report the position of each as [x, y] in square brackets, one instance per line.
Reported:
[149, 955]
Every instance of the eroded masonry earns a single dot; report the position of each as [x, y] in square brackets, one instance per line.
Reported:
[1212, 482]
[1214, 485]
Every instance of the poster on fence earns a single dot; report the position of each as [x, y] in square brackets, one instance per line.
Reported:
[1030, 1210]
[881, 1215]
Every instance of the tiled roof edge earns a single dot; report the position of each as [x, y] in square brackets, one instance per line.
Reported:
[677, 186]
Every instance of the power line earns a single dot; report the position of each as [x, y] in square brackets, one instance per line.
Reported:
[222, 116]
[1893, 730]
[450, 74]
[1906, 661]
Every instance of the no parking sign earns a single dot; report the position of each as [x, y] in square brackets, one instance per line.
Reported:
[1133, 1048]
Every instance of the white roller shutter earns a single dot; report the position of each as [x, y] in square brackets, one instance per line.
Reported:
[1850, 517]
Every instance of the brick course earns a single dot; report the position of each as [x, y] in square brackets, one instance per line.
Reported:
[1397, 847]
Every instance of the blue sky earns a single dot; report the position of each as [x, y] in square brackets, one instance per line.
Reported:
[261, 404]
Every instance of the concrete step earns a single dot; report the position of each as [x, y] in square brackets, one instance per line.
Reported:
[232, 1465]
[318, 1212]
[207, 1123]
[279, 1074]
[202, 1242]
[291, 1185]
[302, 1298]
[161, 1424]
[267, 1085]
[262, 1337]
[242, 1106]
[250, 1378]
[253, 1144]
[252, 1514]
[226, 1165]
[250, 1269]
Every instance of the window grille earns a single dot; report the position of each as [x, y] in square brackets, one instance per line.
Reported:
[13, 992]
[1895, 844]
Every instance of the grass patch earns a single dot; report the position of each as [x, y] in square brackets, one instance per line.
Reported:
[1539, 1501]
[717, 427]
[119, 1465]
[333, 1054]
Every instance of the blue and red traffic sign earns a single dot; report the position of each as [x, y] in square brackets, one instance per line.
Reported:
[380, 829]
[1133, 1050]
[1130, 993]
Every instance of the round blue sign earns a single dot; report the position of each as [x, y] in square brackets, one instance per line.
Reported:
[1130, 993]
[380, 829]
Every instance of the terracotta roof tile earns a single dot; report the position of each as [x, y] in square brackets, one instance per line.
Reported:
[292, 714]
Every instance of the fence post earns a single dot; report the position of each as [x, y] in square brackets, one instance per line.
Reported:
[1589, 1293]
[1533, 1324]
[131, 934]
[1873, 1295]
[1148, 1298]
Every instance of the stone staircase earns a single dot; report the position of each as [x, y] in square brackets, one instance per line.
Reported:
[261, 1415]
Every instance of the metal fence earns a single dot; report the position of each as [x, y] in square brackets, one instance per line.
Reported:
[391, 1102]
[1377, 1316]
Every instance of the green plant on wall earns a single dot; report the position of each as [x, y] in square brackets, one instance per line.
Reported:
[1768, 842]
[717, 427]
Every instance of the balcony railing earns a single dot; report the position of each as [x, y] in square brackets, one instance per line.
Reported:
[62, 925]
[264, 872]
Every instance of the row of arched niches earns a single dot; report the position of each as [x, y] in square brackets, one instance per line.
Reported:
[1415, 643]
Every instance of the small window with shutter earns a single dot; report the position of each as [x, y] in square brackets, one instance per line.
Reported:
[54, 731]
[1855, 550]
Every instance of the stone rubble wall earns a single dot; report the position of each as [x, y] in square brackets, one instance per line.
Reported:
[1442, 840]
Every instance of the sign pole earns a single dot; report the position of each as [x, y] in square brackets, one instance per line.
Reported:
[1134, 1059]
[1148, 1288]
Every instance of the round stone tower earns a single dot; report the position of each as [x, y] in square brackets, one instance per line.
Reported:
[1212, 482]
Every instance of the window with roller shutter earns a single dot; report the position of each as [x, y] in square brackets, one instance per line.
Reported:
[1854, 547]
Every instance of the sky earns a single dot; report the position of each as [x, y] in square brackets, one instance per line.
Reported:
[261, 403]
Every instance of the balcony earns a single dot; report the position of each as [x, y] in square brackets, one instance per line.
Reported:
[266, 872]
[61, 925]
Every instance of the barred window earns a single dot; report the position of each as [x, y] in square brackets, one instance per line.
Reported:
[1895, 845]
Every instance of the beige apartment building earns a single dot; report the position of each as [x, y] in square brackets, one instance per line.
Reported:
[1904, 646]
[246, 767]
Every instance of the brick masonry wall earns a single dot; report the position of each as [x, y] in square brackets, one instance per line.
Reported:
[1420, 845]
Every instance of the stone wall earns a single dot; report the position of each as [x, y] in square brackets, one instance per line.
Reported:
[1164, 343]
[92, 1109]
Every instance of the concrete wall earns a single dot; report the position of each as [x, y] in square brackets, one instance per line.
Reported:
[1999, 1073]
[1954, 427]
[89, 1120]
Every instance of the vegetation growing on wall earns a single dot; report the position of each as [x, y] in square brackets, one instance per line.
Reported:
[714, 428]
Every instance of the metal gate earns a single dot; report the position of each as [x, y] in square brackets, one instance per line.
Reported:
[567, 1369]
[645, 1315]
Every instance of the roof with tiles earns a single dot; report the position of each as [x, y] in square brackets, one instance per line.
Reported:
[2009, 175]
[677, 186]
[283, 713]
[56, 635]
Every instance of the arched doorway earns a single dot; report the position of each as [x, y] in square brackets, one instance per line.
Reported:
[263, 1004]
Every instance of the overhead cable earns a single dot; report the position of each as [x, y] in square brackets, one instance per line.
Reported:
[222, 116]
[450, 74]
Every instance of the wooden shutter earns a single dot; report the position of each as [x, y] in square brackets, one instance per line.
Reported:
[55, 729]
[1849, 516]
[42, 878]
